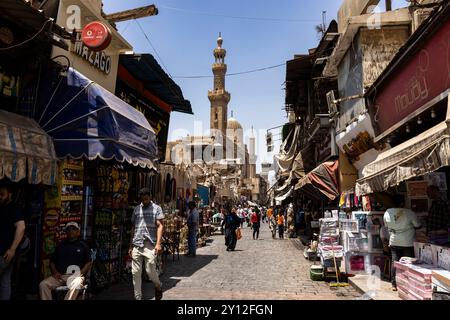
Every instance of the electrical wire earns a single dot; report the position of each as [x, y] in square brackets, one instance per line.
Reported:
[28, 40]
[154, 49]
[238, 17]
[232, 74]
[167, 83]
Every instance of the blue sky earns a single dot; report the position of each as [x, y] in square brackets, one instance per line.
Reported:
[184, 33]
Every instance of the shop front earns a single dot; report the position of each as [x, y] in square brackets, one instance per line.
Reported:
[28, 164]
[410, 110]
[107, 152]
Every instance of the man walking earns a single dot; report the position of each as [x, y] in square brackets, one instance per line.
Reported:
[255, 219]
[146, 234]
[12, 229]
[193, 224]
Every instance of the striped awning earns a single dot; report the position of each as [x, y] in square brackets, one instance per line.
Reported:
[26, 151]
[323, 178]
[420, 155]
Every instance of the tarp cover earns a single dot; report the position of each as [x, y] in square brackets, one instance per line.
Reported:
[422, 154]
[323, 178]
[86, 120]
[26, 151]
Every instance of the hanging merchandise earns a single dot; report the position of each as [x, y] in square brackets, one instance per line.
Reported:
[367, 206]
[342, 200]
[356, 201]
[110, 218]
[63, 204]
[347, 201]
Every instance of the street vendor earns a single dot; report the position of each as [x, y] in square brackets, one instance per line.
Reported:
[401, 223]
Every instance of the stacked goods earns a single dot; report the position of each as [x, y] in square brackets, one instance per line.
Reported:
[414, 281]
[328, 243]
[441, 281]
[330, 253]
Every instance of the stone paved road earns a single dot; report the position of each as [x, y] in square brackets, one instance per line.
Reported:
[264, 269]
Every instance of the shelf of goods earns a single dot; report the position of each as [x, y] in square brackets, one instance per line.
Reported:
[63, 204]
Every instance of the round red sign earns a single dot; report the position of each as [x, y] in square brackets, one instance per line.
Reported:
[96, 36]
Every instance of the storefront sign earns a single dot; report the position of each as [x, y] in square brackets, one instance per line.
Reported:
[158, 118]
[417, 189]
[96, 36]
[98, 60]
[424, 77]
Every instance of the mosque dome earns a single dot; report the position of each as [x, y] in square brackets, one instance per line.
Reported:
[233, 124]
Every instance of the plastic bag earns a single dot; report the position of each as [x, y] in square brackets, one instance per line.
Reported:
[238, 233]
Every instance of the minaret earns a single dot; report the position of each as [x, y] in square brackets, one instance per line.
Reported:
[252, 154]
[219, 97]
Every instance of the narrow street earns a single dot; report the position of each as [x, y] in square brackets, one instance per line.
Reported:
[266, 269]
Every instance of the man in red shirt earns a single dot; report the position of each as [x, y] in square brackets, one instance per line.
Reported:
[256, 220]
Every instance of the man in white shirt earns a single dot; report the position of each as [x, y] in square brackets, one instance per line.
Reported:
[402, 224]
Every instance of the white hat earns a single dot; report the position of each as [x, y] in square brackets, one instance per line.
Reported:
[72, 224]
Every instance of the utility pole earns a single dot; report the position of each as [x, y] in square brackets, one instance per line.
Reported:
[141, 12]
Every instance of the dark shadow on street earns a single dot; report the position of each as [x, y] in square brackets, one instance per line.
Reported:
[174, 272]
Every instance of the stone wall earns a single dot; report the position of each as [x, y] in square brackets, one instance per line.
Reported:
[379, 46]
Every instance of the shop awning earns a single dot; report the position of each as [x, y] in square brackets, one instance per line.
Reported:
[323, 178]
[422, 154]
[86, 120]
[26, 151]
[145, 68]
[284, 196]
[288, 152]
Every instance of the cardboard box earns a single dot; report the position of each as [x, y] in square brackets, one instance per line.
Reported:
[441, 281]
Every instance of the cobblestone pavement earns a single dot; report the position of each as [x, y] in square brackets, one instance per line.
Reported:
[264, 269]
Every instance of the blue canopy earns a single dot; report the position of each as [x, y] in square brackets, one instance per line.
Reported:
[86, 120]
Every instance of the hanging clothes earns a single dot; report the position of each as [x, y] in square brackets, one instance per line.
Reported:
[347, 201]
[342, 200]
[366, 203]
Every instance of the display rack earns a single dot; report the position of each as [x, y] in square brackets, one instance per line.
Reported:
[63, 204]
[110, 197]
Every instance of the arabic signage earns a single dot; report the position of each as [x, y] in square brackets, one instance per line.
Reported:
[424, 77]
[158, 118]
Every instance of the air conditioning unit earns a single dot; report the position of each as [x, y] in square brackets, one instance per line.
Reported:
[331, 100]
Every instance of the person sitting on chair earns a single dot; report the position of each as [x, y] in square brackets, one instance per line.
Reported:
[69, 264]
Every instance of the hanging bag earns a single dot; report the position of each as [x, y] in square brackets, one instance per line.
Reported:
[238, 233]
